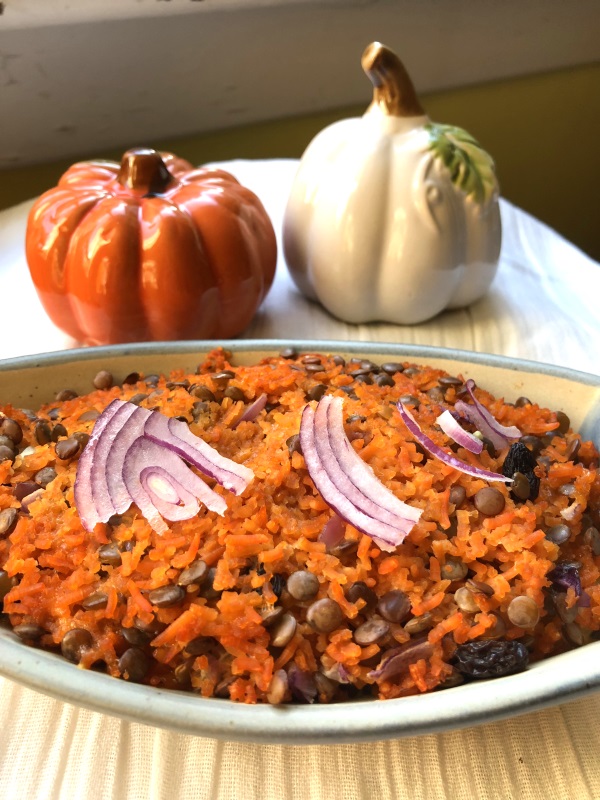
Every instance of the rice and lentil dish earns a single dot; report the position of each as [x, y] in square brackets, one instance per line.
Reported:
[279, 600]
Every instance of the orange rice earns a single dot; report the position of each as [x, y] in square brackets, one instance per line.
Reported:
[217, 639]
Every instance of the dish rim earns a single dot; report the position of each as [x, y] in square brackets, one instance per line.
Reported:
[557, 679]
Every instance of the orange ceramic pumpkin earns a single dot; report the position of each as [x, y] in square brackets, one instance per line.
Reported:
[151, 249]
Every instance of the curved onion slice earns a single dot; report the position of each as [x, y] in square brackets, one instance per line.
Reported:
[176, 435]
[346, 498]
[253, 410]
[120, 446]
[438, 452]
[333, 532]
[462, 437]
[121, 465]
[83, 489]
[358, 471]
[168, 480]
[499, 435]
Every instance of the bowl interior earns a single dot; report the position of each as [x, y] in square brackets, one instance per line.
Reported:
[31, 381]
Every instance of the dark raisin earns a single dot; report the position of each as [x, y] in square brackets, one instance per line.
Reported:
[277, 584]
[491, 658]
[518, 459]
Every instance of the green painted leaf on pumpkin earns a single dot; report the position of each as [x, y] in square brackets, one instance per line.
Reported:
[471, 168]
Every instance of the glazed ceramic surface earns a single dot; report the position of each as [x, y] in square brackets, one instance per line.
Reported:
[32, 380]
[392, 217]
[151, 249]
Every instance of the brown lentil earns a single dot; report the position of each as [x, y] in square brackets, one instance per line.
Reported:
[371, 632]
[324, 615]
[134, 665]
[194, 574]
[522, 401]
[8, 521]
[103, 380]
[66, 394]
[6, 441]
[89, 416]
[74, 643]
[6, 453]
[302, 585]
[45, 476]
[394, 606]
[458, 495]
[29, 631]
[110, 554]
[558, 534]
[591, 537]
[202, 392]
[392, 367]
[6, 583]
[465, 600]
[67, 448]
[360, 591]
[489, 501]
[564, 423]
[453, 569]
[166, 596]
[95, 601]
[59, 430]
[316, 392]
[283, 631]
[520, 486]
[24, 488]
[278, 688]
[523, 612]
[419, 624]
[12, 429]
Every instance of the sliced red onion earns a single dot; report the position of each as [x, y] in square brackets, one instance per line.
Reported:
[378, 500]
[337, 672]
[119, 447]
[345, 506]
[83, 489]
[302, 684]
[121, 465]
[585, 601]
[333, 532]
[397, 660]
[176, 435]
[499, 435]
[438, 452]
[253, 410]
[462, 437]
[160, 483]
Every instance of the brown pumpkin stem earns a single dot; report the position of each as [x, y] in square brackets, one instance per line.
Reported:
[394, 92]
[143, 170]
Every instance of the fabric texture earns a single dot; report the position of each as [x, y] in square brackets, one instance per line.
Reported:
[543, 306]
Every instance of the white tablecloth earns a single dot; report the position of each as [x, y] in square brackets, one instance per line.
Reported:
[544, 305]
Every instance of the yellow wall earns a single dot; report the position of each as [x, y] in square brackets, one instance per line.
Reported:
[542, 131]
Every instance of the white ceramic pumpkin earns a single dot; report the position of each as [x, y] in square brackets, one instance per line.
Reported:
[392, 217]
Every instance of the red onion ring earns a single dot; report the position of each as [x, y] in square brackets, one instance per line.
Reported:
[85, 501]
[176, 435]
[350, 502]
[121, 464]
[462, 437]
[253, 410]
[333, 532]
[359, 472]
[499, 435]
[438, 452]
